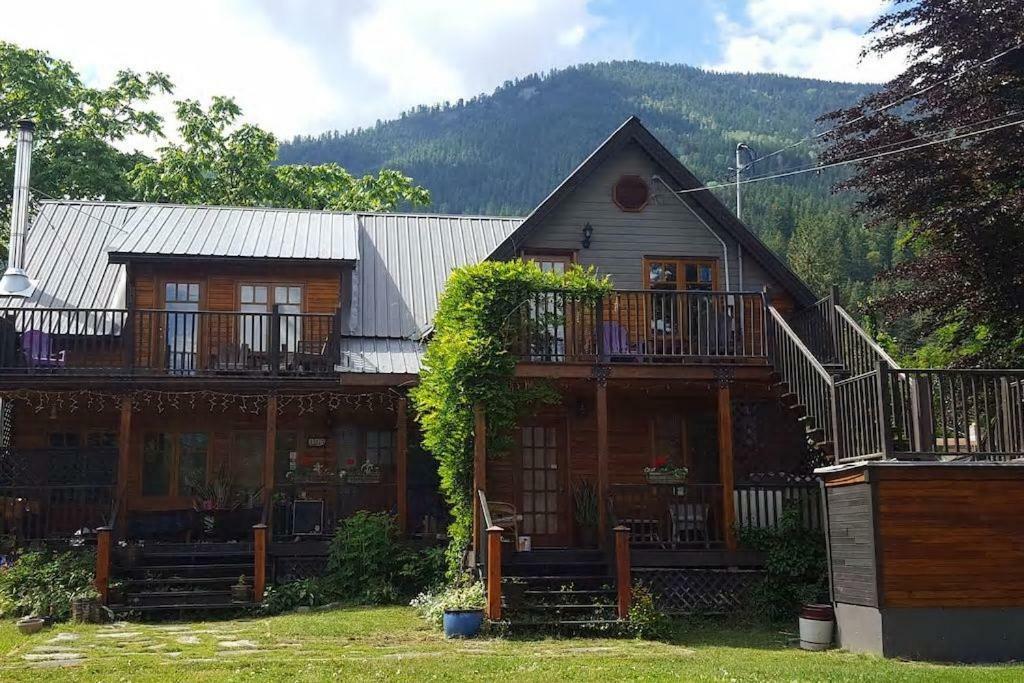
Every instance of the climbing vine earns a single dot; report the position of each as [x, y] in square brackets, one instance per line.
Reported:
[468, 361]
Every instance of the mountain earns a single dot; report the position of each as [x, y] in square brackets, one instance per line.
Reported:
[502, 153]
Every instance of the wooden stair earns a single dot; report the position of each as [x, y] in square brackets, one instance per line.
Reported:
[171, 580]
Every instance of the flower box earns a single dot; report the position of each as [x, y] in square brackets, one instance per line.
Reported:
[665, 478]
[361, 478]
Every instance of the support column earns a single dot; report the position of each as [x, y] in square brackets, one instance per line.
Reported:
[269, 454]
[494, 573]
[601, 411]
[725, 462]
[124, 447]
[623, 571]
[479, 472]
[259, 561]
[102, 578]
[402, 465]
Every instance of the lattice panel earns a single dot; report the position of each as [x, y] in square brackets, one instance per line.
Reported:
[699, 591]
[294, 567]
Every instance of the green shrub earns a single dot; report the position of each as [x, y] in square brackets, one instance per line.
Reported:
[646, 621]
[288, 596]
[458, 595]
[44, 583]
[369, 562]
[795, 567]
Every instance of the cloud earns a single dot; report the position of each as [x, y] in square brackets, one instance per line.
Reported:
[805, 38]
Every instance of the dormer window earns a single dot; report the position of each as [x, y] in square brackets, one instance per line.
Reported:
[631, 193]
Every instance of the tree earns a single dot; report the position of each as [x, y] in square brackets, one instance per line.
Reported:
[77, 127]
[958, 205]
[222, 162]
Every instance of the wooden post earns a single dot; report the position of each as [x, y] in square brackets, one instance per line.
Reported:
[725, 463]
[833, 323]
[402, 465]
[479, 471]
[623, 570]
[269, 455]
[124, 448]
[102, 580]
[259, 561]
[494, 573]
[601, 411]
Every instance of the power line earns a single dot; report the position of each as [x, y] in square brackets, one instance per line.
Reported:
[821, 167]
[903, 99]
[70, 203]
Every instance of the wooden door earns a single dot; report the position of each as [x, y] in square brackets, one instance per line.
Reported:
[543, 501]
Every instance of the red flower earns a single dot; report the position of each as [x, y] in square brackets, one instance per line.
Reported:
[661, 462]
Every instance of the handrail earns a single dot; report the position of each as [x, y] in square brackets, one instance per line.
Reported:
[861, 336]
[777, 317]
[484, 508]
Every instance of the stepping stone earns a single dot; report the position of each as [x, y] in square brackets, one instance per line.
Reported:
[64, 637]
[119, 635]
[188, 640]
[54, 657]
[238, 644]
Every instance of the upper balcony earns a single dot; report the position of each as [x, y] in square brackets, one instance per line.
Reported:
[185, 343]
[642, 326]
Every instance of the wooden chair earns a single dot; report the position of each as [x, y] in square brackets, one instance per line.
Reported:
[506, 516]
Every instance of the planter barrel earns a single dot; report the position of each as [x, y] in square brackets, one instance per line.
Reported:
[463, 623]
[817, 624]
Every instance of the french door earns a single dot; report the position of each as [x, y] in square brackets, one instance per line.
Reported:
[542, 488]
[550, 343]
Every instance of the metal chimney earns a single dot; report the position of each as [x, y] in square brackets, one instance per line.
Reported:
[14, 281]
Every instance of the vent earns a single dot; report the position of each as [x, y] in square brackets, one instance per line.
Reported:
[631, 193]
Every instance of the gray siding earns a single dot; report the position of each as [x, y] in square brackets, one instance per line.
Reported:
[852, 545]
[666, 227]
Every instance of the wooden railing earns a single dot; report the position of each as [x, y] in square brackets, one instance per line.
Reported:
[168, 342]
[761, 505]
[669, 516]
[632, 326]
[807, 380]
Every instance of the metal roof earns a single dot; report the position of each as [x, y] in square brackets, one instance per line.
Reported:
[404, 262]
[369, 354]
[236, 232]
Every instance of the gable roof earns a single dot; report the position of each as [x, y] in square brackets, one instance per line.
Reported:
[169, 230]
[702, 201]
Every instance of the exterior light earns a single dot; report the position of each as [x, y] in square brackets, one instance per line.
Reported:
[588, 232]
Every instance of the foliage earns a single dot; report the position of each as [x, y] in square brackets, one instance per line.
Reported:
[77, 127]
[44, 583]
[585, 498]
[456, 595]
[795, 566]
[467, 362]
[286, 597]
[369, 563]
[958, 204]
[223, 162]
[646, 621]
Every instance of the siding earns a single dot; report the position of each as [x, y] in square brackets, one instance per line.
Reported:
[852, 535]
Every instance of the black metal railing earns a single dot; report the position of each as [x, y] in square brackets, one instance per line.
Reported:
[815, 325]
[669, 516]
[168, 342]
[640, 326]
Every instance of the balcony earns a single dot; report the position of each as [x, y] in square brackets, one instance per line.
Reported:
[167, 343]
[641, 326]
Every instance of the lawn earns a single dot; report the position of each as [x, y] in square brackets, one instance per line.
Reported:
[391, 643]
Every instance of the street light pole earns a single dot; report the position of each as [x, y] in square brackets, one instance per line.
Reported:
[740, 148]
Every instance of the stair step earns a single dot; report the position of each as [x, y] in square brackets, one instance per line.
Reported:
[202, 606]
[185, 580]
[555, 608]
[573, 623]
[163, 554]
[186, 567]
[596, 591]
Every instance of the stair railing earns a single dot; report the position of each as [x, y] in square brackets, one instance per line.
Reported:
[857, 351]
[816, 326]
[800, 370]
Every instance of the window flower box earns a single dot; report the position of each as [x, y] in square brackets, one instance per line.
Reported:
[665, 473]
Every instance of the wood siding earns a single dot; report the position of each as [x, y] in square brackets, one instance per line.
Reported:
[854, 579]
[665, 227]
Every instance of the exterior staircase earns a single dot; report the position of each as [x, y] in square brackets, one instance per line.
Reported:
[167, 580]
[558, 589]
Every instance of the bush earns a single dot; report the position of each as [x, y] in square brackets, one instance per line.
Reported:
[288, 596]
[459, 595]
[44, 583]
[369, 563]
[795, 567]
[646, 621]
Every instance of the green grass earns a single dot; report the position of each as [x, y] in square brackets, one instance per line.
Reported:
[391, 643]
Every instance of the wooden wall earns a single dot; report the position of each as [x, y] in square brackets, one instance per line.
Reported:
[853, 545]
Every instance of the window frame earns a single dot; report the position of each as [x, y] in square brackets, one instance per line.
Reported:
[174, 483]
[681, 262]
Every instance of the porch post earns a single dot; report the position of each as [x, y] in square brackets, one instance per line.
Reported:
[269, 453]
[402, 465]
[124, 447]
[494, 573]
[479, 472]
[259, 562]
[601, 411]
[623, 571]
[102, 579]
[725, 462]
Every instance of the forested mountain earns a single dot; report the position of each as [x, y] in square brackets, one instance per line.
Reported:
[502, 153]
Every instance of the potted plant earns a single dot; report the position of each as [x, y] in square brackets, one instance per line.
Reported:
[368, 473]
[241, 591]
[85, 606]
[585, 499]
[664, 472]
[463, 611]
[29, 625]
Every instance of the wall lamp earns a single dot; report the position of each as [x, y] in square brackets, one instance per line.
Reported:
[588, 232]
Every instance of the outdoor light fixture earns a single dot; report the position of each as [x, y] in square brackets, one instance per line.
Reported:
[588, 232]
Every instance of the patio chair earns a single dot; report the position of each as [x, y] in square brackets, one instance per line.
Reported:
[38, 349]
[232, 357]
[616, 342]
[506, 516]
[690, 523]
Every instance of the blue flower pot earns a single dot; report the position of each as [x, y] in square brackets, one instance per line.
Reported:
[462, 623]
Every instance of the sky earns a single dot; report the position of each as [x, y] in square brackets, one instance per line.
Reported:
[305, 66]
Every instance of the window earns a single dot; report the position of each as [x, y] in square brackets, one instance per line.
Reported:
[261, 299]
[181, 338]
[174, 463]
[64, 440]
[101, 439]
[680, 274]
[246, 464]
[181, 293]
[631, 193]
[347, 444]
[156, 464]
[192, 449]
[380, 447]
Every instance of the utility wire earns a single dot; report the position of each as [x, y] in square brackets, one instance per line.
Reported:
[901, 100]
[71, 204]
[821, 167]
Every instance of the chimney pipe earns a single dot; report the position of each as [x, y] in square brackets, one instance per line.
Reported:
[15, 282]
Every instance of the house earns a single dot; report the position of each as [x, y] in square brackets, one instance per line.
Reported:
[181, 375]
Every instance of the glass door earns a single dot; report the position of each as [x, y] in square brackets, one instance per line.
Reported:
[181, 343]
[549, 312]
[542, 489]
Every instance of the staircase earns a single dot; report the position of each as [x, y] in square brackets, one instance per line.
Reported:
[558, 589]
[169, 579]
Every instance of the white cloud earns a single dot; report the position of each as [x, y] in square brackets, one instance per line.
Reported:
[805, 38]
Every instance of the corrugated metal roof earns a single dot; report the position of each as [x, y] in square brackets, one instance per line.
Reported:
[369, 354]
[246, 232]
[65, 252]
[404, 262]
